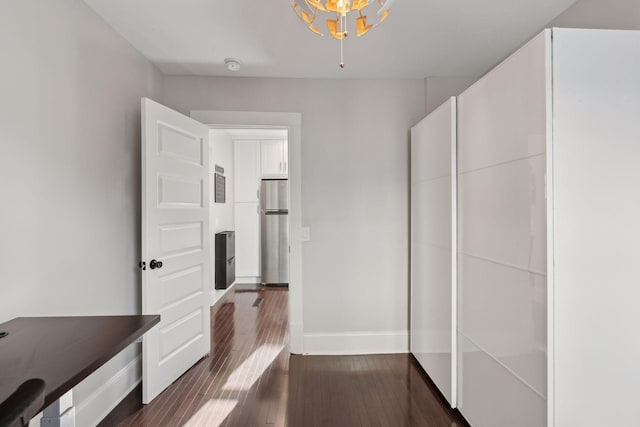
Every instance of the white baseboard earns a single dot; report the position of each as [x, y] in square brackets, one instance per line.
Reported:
[248, 279]
[218, 294]
[389, 342]
[101, 402]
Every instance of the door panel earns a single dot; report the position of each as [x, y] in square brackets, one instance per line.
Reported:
[175, 227]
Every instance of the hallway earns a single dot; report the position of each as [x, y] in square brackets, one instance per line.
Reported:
[250, 380]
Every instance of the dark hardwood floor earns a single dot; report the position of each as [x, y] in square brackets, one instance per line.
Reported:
[250, 380]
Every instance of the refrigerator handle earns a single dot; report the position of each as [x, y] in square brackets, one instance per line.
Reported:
[258, 194]
[258, 209]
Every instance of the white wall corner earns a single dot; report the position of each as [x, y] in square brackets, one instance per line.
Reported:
[439, 89]
[296, 339]
[388, 342]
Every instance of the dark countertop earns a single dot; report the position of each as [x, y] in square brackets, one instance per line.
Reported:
[63, 351]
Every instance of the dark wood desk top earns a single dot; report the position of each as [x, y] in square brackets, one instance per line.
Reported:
[63, 351]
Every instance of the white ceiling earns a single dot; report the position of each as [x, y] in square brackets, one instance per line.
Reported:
[420, 38]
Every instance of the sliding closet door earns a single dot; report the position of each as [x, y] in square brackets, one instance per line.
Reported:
[502, 368]
[432, 249]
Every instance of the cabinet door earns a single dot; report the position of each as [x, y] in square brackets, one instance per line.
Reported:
[272, 158]
[247, 171]
[247, 218]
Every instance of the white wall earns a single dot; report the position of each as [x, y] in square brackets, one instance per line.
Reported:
[607, 14]
[355, 175]
[439, 89]
[222, 214]
[70, 173]
[221, 145]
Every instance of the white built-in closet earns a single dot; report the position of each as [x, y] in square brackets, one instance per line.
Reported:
[547, 292]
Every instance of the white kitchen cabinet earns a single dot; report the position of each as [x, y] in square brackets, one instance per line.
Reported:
[246, 212]
[247, 171]
[274, 163]
[548, 235]
[247, 217]
[433, 253]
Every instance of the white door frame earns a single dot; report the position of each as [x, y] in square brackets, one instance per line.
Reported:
[292, 122]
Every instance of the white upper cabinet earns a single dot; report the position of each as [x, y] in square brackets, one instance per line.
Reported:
[247, 171]
[274, 159]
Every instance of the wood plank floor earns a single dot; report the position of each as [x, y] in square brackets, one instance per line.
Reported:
[250, 380]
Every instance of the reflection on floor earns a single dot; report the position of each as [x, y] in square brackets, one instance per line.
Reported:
[250, 380]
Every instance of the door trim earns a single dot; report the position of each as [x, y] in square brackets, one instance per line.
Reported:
[293, 123]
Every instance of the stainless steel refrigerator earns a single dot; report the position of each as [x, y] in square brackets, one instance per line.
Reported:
[274, 226]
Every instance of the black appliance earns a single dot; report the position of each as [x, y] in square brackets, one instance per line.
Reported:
[225, 259]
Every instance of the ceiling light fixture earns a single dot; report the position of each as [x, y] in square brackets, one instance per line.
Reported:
[232, 64]
[308, 12]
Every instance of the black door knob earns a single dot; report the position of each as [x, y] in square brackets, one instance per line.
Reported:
[155, 264]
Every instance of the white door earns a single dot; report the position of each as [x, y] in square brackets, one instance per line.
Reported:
[272, 158]
[247, 217]
[247, 171]
[175, 244]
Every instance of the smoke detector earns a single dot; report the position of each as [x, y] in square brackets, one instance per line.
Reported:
[232, 64]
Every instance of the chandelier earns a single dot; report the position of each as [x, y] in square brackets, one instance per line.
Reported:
[337, 27]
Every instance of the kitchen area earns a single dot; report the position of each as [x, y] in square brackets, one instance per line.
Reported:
[250, 205]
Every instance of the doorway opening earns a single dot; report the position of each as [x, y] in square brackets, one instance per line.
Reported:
[279, 124]
[249, 214]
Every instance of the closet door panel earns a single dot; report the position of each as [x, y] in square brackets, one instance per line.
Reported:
[504, 211]
[502, 242]
[432, 325]
[491, 396]
[502, 117]
[513, 333]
